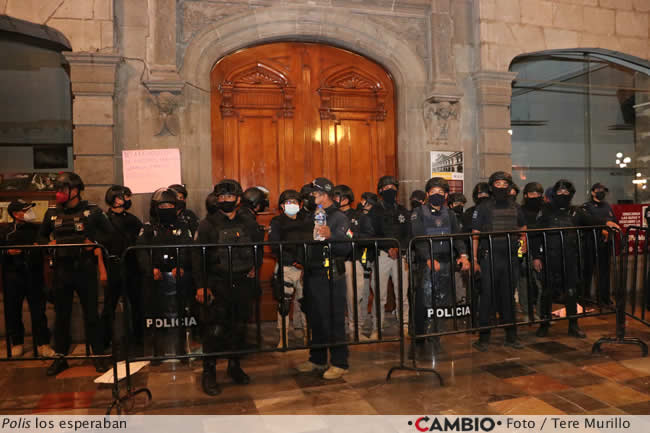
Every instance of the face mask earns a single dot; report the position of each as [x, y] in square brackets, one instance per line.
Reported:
[291, 209]
[310, 203]
[512, 198]
[458, 210]
[29, 216]
[480, 200]
[600, 195]
[562, 201]
[436, 199]
[227, 206]
[182, 205]
[415, 204]
[389, 196]
[61, 197]
[127, 204]
[534, 203]
[167, 216]
[500, 194]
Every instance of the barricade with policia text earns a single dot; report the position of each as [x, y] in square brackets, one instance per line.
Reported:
[228, 291]
[24, 278]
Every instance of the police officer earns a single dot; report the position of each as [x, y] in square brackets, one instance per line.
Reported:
[514, 192]
[186, 215]
[126, 228]
[561, 279]
[456, 202]
[480, 193]
[498, 214]
[603, 214]
[418, 197]
[227, 308]
[325, 304]
[75, 269]
[368, 200]
[391, 221]
[255, 200]
[308, 204]
[167, 274]
[532, 204]
[435, 218]
[289, 228]
[362, 228]
[22, 277]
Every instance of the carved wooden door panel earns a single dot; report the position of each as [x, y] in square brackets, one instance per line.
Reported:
[285, 113]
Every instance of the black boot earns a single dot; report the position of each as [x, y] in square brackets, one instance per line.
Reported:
[209, 380]
[482, 343]
[236, 373]
[57, 367]
[512, 340]
[101, 365]
[542, 331]
[574, 329]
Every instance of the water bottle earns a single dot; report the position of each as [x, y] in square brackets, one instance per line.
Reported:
[320, 219]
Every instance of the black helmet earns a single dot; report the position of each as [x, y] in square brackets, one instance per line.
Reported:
[564, 184]
[419, 195]
[306, 190]
[211, 203]
[370, 197]
[387, 180]
[160, 196]
[516, 188]
[289, 194]
[228, 186]
[112, 192]
[481, 187]
[179, 189]
[69, 180]
[439, 182]
[254, 197]
[500, 175]
[457, 197]
[345, 192]
[533, 187]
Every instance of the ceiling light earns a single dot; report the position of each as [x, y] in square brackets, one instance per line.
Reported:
[627, 159]
[638, 175]
[619, 155]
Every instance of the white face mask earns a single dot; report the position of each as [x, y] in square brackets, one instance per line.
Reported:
[291, 209]
[30, 215]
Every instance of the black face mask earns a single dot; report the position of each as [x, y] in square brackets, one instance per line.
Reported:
[436, 199]
[415, 204]
[167, 216]
[226, 206]
[500, 194]
[534, 203]
[600, 195]
[127, 204]
[458, 209]
[512, 198]
[562, 201]
[310, 204]
[182, 205]
[480, 200]
[389, 196]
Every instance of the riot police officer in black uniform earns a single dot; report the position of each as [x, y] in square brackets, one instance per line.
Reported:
[75, 269]
[603, 214]
[325, 304]
[562, 280]
[126, 230]
[362, 228]
[254, 200]
[227, 309]
[418, 197]
[480, 193]
[22, 277]
[431, 219]
[184, 214]
[532, 204]
[167, 276]
[456, 203]
[308, 204]
[498, 214]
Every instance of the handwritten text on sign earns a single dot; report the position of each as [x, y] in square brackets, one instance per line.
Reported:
[147, 170]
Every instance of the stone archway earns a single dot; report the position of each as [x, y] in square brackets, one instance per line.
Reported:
[326, 26]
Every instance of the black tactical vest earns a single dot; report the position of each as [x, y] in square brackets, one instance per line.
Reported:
[502, 220]
[439, 224]
[72, 228]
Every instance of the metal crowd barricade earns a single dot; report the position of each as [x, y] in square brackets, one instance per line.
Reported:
[631, 288]
[45, 250]
[529, 238]
[309, 251]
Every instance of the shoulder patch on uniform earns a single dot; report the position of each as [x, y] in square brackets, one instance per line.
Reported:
[349, 234]
[401, 218]
[414, 216]
[475, 214]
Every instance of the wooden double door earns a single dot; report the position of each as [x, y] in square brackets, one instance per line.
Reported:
[286, 113]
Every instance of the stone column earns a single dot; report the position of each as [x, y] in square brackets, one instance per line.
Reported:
[443, 62]
[494, 93]
[92, 78]
[161, 47]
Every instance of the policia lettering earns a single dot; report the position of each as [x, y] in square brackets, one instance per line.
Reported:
[75, 269]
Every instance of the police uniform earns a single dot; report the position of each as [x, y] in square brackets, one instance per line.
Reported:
[529, 294]
[22, 277]
[75, 269]
[188, 217]
[602, 213]
[498, 283]
[436, 293]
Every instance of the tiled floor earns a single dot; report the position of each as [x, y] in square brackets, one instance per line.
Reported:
[553, 375]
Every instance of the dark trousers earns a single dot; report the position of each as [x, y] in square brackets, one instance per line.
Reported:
[432, 295]
[76, 275]
[602, 273]
[326, 317]
[224, 321]
[561, 285]
[20, 282]
[497, 289]
[112, 295]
